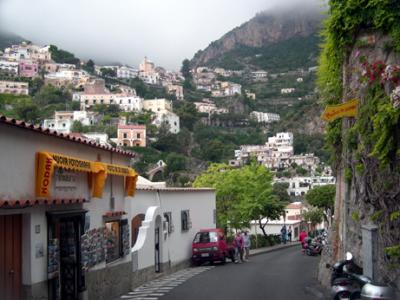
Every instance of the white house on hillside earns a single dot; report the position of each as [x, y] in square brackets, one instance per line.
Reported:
[168, 118]
[264, 117]
[63, 120]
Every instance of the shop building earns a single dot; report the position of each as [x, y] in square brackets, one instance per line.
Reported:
[64, 209]
[70, 225]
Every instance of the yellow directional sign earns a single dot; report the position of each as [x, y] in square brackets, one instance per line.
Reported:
[347, 109]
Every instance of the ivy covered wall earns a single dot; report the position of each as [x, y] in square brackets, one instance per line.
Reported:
[361, 59]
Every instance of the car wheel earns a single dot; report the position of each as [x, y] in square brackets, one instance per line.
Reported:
[196, 263]
[223, 260]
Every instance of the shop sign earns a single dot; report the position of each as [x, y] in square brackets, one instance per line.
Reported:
[65, 180]
[46, 163]
[347, 109]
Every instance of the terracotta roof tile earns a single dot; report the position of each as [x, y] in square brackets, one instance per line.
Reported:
[26, 203]
[69, 137]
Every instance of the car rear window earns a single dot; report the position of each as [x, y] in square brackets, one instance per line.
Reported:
[206, 237]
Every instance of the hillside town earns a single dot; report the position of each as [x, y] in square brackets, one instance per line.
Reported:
[128, 171]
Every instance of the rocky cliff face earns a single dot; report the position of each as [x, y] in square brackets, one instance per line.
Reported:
[263, 30]
[370, 195]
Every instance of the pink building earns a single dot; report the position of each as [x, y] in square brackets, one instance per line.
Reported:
[131, 135]
[28, 69]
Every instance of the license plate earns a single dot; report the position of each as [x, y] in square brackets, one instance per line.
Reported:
[205, 255]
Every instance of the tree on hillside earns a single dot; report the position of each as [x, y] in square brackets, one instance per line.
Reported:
[77, 126]
[28, 112]
[323, 197]
[185, 69]
[243, 194]
[111, 109]
[175, 162]
[166, 141]
[313, 216]
[49, 94]
[280, 190]
[184, 139]
[213, 151]
[63, 57]
[35, 85]
[107, 72]
[188, 115]
[89, 66]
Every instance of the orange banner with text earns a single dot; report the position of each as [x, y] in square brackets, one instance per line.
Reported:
[46, 162]
[347, 109]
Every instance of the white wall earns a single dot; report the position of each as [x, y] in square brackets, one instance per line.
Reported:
[275, 229]
[176, 246]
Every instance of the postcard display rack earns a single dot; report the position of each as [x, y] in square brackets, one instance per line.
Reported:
[101, 244]
[93, 247]
[125, 237]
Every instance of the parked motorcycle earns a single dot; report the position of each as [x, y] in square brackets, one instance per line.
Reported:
[348, 283]
[312, 247]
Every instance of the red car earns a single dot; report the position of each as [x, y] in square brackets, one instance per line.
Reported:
[210, 245]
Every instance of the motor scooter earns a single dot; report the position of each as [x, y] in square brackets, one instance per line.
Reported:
[348, 283]
[311, 248]
[342, 286]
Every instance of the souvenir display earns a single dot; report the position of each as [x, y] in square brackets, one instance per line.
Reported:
[92, 246]
[53, 265]
[125, 237]
[112, 241]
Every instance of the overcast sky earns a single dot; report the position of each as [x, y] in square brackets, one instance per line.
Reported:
[124, 31]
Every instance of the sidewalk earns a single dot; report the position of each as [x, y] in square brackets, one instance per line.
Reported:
[273, 248]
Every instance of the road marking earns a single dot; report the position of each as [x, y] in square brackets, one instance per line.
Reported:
[159, 287]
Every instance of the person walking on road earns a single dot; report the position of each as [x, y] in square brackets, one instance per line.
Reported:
[283, 234]
[238, 244]
[247, 245]
[290, 234]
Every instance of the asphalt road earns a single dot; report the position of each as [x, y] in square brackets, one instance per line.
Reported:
[281, 275]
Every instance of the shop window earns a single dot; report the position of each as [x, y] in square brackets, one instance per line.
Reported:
[168, 222]
[117, 239]
[185, 220]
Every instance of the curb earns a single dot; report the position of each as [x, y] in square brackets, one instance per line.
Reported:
[272, 249]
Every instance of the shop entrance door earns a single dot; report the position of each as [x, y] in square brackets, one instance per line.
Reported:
[10, 257]
[67, 278]
[157, 249]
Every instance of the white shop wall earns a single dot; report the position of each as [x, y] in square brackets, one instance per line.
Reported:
[19, 148]
[176, 246]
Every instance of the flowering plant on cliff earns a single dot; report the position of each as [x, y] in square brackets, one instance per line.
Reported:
[395, 97]
[372, 72]
[392, 74]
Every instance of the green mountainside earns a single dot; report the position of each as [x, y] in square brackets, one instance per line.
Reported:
[291, 54]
